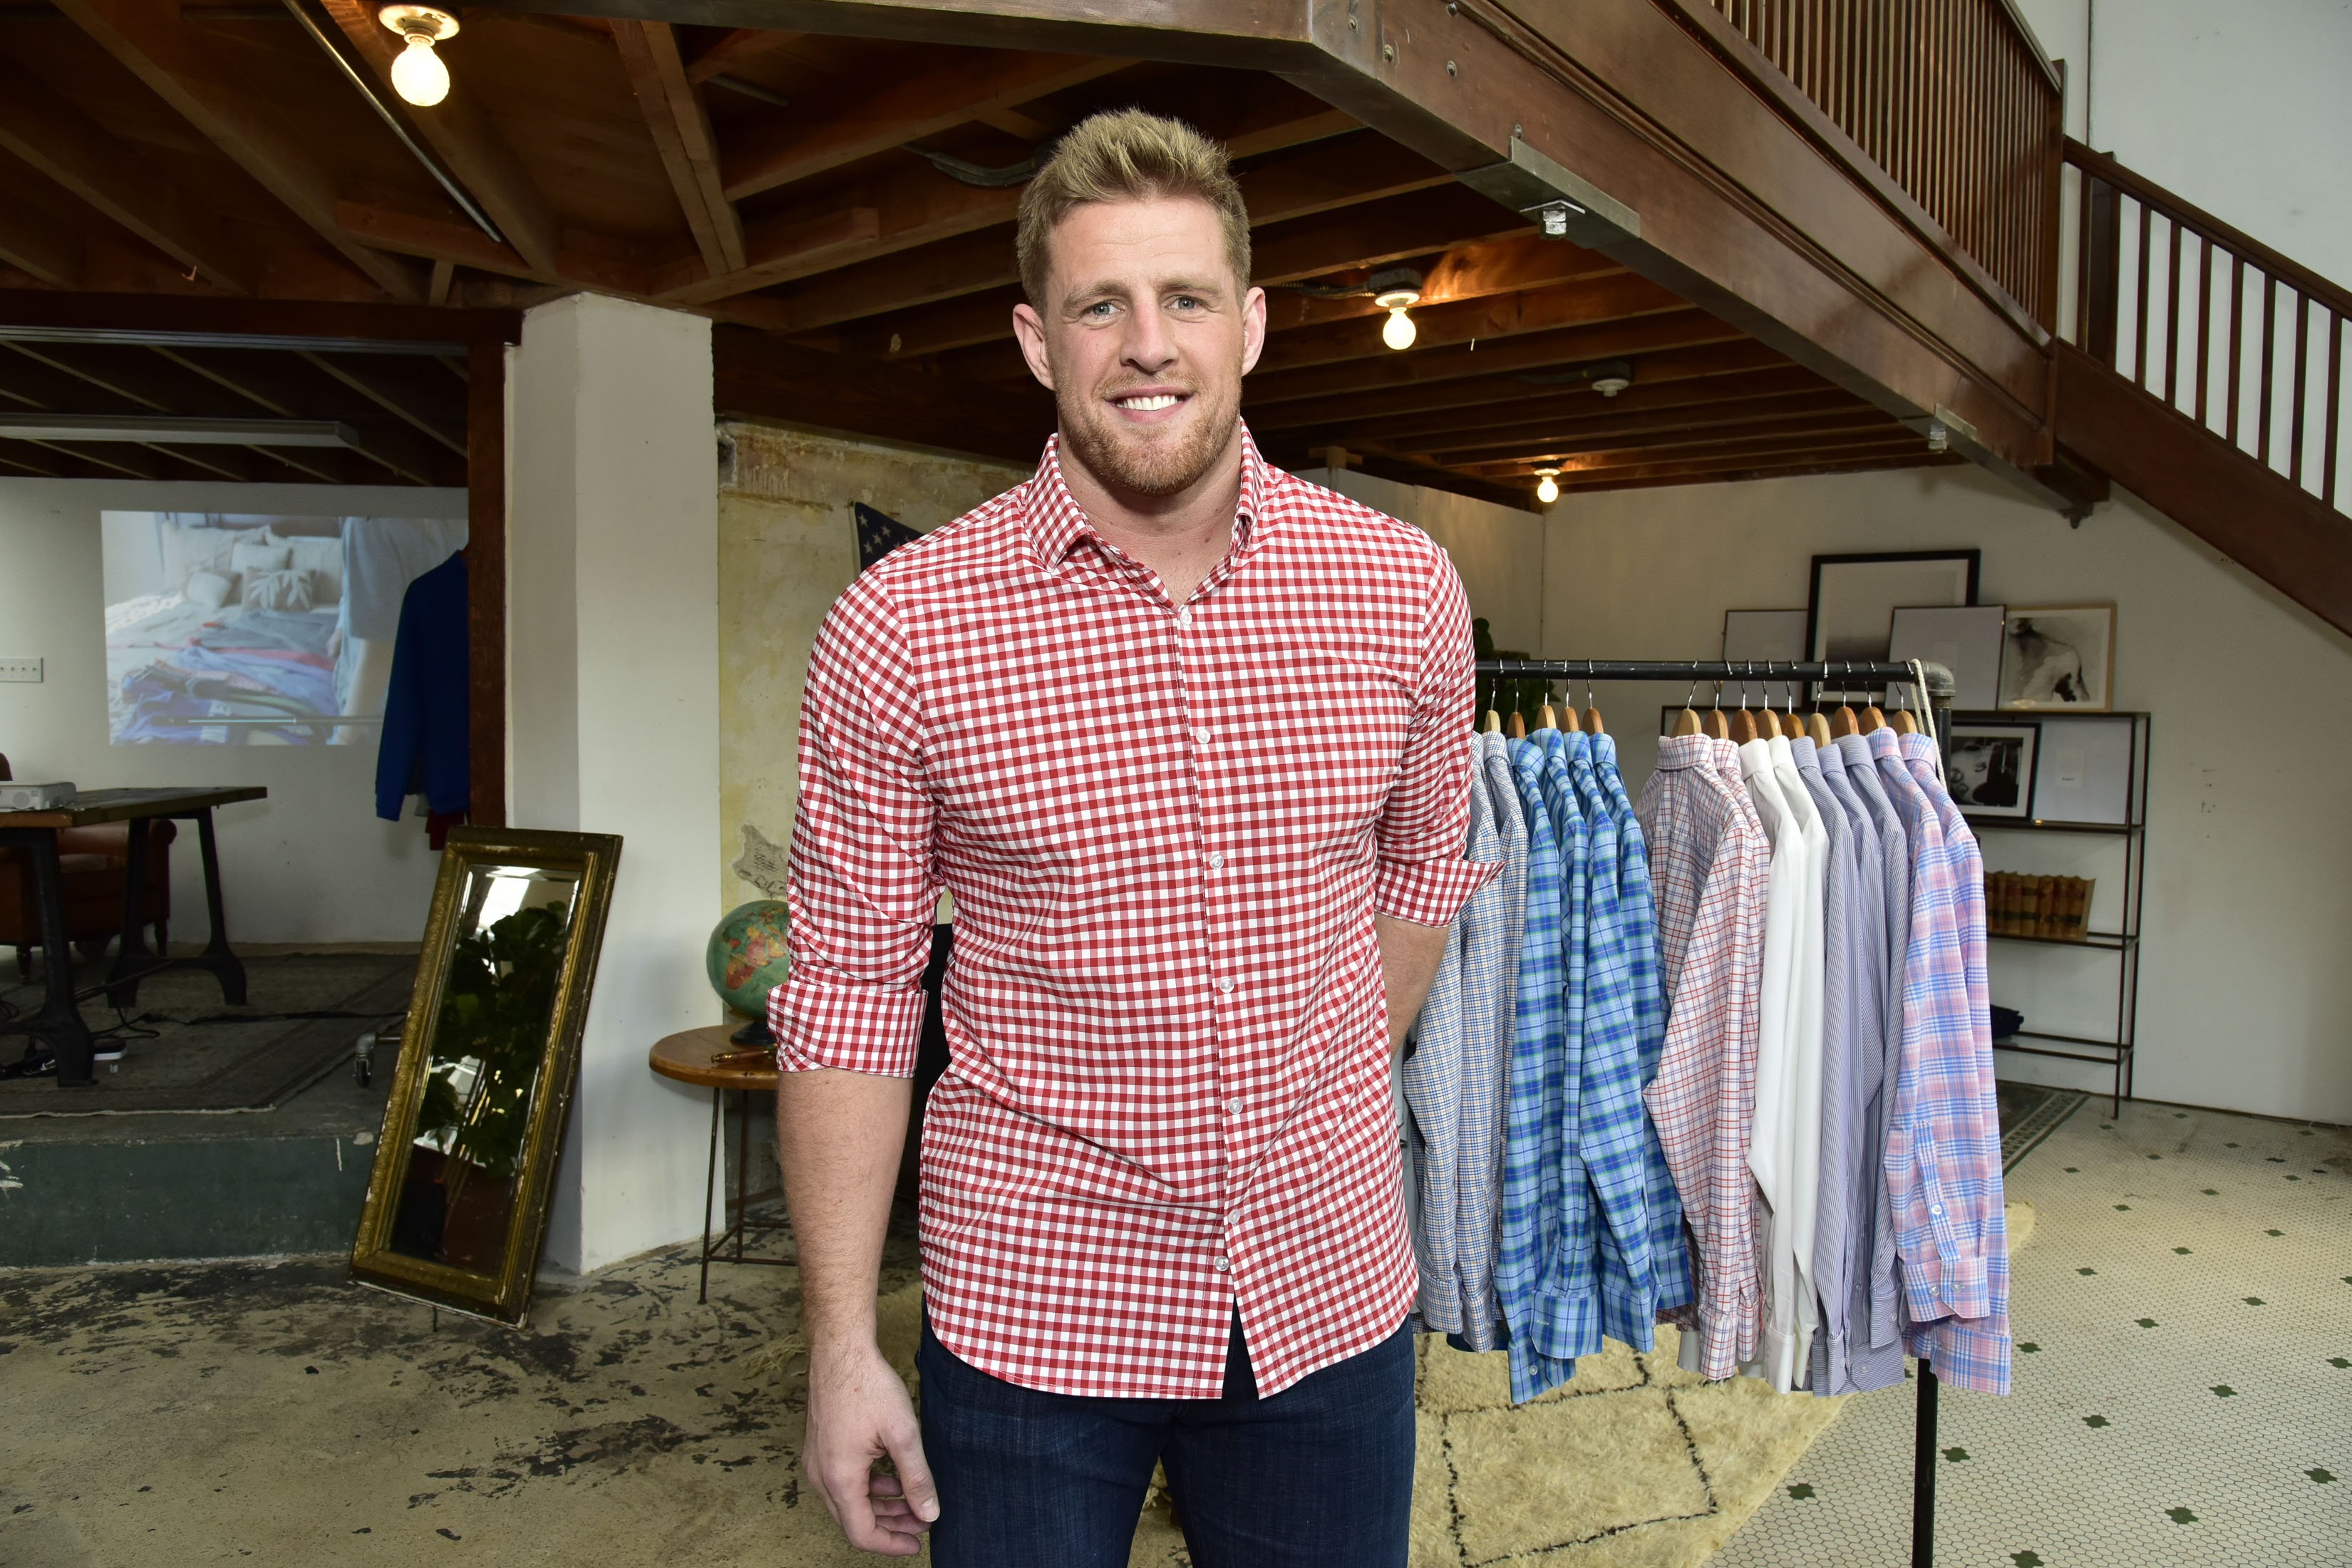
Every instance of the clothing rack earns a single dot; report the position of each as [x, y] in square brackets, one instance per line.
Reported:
[1940, 690]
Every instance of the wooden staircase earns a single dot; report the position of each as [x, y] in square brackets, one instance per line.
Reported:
[2204, 372]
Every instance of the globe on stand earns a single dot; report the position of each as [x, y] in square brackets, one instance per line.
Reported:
[746, 960]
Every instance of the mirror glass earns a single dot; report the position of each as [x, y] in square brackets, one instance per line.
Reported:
[484, 1055]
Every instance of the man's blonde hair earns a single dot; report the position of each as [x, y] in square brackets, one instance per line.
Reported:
[1128, 154]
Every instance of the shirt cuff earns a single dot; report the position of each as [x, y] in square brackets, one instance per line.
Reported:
[1428, 892]
[845, 1024]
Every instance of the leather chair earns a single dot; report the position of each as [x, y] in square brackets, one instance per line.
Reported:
[92, 861]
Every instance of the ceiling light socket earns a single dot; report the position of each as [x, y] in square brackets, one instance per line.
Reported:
[419, 21]
[1612, 377]
[1395, 288]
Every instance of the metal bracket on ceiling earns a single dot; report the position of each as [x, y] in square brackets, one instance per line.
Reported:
[1562, 205]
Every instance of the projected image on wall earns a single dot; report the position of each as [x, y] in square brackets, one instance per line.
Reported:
[235, 629]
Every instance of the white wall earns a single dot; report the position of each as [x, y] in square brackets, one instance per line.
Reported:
[613, 671]
[1498, 550]
[2245, 996]
[312, 863]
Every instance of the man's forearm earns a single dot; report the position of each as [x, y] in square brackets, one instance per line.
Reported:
[1410, 956]
[840, 1136]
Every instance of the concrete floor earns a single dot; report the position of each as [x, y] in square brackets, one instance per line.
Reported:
[214, 1412]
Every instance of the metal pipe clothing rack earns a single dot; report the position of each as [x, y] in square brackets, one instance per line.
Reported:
[1940, 690]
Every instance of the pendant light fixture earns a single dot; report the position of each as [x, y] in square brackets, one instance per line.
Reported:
[1547, 485]
[418, 75]
[1395, 291]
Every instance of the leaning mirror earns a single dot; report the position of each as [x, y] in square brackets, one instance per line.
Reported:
[456, 1206]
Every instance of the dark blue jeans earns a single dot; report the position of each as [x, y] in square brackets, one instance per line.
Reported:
[1319, 1476]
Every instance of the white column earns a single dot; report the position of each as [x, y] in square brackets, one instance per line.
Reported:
[613, 714]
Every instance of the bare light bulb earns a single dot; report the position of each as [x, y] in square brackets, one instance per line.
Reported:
[1547, 490]
[1397, 333]
[418, 75]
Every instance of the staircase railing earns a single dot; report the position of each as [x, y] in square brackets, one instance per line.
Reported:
[2258, 359]
[1953, 99]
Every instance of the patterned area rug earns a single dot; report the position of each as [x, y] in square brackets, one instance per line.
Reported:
[2029, 1113]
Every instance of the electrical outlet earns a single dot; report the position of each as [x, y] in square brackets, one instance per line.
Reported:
[20, 669]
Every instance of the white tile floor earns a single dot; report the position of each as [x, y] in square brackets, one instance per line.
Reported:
[2183, 1389]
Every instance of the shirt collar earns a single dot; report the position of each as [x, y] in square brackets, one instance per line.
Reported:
[1057, 523]
[1686, 751]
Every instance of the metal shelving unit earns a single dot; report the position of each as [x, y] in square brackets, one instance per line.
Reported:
[2115, 1050]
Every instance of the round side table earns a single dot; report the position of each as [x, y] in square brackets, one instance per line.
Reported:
[699, 1056]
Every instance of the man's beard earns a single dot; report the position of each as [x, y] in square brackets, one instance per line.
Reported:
[1161, 465]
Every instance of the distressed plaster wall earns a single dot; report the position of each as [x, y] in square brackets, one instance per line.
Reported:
[787, 547]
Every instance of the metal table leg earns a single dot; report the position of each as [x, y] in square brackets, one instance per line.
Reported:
[709, 1187]
[216, 955]
[58, 1022]
[132, 959]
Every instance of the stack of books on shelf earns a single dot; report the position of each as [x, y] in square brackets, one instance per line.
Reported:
[2057, 907]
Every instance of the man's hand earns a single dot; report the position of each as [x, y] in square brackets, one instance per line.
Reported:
[858, 1412]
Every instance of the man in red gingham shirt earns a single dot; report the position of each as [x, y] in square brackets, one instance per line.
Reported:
[1188, 739]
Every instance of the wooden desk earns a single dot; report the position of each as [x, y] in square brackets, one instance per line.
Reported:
[59, 1021]
[687, 1058]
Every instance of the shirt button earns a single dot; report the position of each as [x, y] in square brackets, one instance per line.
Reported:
[1217, 860]
[1226, 986]
[1202, 736]
[1222, 1265]
[1183, 617]
[1938, 1210]
[1233, 1108]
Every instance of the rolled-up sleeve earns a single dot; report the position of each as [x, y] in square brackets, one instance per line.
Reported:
[1421, 876]
[863, 885]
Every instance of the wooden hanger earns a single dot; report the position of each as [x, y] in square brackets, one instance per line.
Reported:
[1518, 725]
[1546, 718]
[1686, 722]
[1818, 727]
[1494, 725]
[1844, 721]
[1743, 727]
[1905, 722]
[1717, 725]
[1872, 720]
[1768, 724]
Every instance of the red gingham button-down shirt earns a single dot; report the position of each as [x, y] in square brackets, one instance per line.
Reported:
[1167, 829]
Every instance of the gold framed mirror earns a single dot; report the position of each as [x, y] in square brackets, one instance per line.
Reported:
[457, 1204]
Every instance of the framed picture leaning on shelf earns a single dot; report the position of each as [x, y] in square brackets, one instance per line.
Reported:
[1989, 768]
[2059, 657]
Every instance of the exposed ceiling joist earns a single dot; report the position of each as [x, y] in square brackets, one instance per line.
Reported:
[1495, 321]
[789, 148]
[680, 127]
[375, 382]
[1604, 420]
[1859, 422]
[462, 245]
[182, 68]
[738, 48]
[1874, 443]
[977, 261]
[49, 132]
[1431, 428]
[461, 133]
[1744, 469]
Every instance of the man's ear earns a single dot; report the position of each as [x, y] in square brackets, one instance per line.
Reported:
[1029, 332]
[1253, 329]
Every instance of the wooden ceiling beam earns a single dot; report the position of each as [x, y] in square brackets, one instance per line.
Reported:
[48, 132]
[372, 379]
[788, 148]
[462, 134]
[738, 48]
[1883, 440]
[282, 384]
[1535, 351]
[24, 457]
[680, 127]
[182, 68]
[764, 377]
[1602, 420]
[1420, 221]
[1478, 270]
[1619, 296]
[39, 243]
[1859, 422]
[1667, 474]
[1432, 430]
[462, 245]
[1658, 360]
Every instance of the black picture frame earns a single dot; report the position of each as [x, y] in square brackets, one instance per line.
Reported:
[1989, 767]
[1827, 571]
